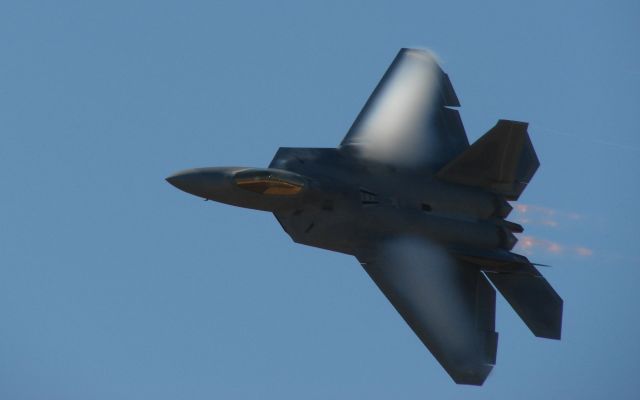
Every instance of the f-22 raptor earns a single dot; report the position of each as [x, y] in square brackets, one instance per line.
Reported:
[421, 209]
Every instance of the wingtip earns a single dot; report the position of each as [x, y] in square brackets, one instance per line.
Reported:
[475, 377]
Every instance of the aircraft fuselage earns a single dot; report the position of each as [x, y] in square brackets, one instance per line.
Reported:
[324, 199]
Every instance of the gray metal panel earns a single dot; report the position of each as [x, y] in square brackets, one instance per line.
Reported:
[448, 304]
[451, 131]
[533, 298]
[451, 99]
[502, 161]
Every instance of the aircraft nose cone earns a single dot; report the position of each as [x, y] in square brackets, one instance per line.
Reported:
[174, 180]
[185, 180]
[203, 182]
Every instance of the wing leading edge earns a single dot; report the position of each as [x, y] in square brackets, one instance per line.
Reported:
[447, 303]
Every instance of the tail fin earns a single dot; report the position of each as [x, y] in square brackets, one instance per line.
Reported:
[502, 161]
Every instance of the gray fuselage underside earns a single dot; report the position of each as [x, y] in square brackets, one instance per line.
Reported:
[352, 206]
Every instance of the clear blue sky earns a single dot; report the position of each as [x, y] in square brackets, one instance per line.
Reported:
[115, 285]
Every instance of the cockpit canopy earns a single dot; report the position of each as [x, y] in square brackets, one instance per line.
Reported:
[270, 182]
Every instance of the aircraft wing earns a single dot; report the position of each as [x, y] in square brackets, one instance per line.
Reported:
[407, 121]
[448, 303]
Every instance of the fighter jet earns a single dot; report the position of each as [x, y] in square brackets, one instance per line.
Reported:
[421, 210]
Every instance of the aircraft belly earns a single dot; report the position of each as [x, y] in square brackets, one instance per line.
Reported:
[347, 232]
[318, 229]
[382, 223]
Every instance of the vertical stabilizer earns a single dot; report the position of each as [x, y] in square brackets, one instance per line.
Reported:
[502, 161]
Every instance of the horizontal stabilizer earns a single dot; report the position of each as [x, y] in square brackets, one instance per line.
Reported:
[533, 298]
[502, 161]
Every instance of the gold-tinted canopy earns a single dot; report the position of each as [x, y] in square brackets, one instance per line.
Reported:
[269, 182]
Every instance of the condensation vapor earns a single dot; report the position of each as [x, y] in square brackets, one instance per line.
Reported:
[428, 280]
[393, 127]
